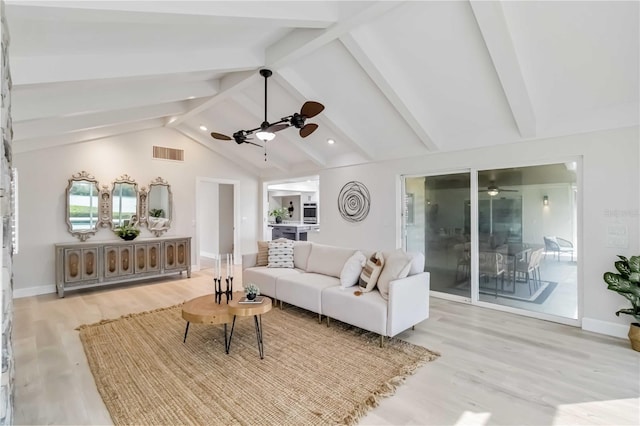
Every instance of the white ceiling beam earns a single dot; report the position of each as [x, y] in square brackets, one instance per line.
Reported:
[83, 136]
[288, 14]
[302, 42]
[391, 83]
[338, 124]
[258, 111]
[228, 153]
[229, 85]
[497, 37]
[60, 68]
[32, 129]
[35, 101]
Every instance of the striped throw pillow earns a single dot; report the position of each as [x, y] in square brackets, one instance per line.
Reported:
[280, 254]
[371, 272]
[263, 253]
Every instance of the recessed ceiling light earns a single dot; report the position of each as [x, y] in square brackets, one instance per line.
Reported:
[330, 141]
[203, 128]
[191, 97]
[172, 119]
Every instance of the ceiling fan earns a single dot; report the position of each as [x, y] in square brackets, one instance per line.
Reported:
[494, 190]
[266, 131]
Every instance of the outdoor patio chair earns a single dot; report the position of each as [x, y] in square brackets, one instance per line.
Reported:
[557, 245]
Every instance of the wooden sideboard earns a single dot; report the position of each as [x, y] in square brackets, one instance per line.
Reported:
[83, 265]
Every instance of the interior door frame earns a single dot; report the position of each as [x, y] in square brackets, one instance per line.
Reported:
[237, 260]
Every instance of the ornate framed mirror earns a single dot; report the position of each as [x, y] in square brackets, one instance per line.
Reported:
[124, 201]
[83, 212]
[159, 206]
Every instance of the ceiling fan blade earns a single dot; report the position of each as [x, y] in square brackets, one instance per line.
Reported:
[308, 129]
[311, 109]
[220, 136]
[277, 127]
[253, 143]
[508, 190]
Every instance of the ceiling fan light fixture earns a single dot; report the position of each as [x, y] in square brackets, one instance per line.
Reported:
[493, 192]
[265, 136]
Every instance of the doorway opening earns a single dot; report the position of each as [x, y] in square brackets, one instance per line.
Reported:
[216, 220]
[297, 199]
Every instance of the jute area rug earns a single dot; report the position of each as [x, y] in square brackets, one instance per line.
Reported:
[311, 373]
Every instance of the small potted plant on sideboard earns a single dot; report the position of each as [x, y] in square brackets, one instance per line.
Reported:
[127, 232]
[627, 284]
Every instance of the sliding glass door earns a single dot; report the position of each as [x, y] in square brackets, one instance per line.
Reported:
[519, 250]
[437, 224]
[527, 234]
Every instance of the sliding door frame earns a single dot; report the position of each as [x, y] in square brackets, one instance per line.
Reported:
[475, 294]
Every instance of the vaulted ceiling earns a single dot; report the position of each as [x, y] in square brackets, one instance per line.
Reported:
[398, 79]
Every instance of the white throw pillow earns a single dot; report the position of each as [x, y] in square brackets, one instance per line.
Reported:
[280, 254]
[352, 269]
[396, 266]
[371, 272]
[417, 262]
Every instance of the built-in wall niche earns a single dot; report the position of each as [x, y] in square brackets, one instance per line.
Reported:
[89, 206]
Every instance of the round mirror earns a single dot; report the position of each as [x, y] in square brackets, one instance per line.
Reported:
[124, 198]
[160, 205]
[83, 206]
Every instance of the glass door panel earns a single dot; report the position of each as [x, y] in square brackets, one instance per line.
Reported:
[437, 223]
[527, 235]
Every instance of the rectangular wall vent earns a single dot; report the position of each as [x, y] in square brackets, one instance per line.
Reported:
[164, 153]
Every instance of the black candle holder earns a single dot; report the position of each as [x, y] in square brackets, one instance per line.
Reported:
[217, 284]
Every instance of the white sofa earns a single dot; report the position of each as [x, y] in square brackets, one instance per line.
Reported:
[314, 284]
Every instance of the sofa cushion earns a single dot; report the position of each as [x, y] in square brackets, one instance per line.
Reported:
[396, 265]
[417, 262]
[280, 254]
[352, 269]
[301, 250]
[328, 260]
[371, 272]
[265, 278]
[304, 290]
[367, 311]
[263, 253]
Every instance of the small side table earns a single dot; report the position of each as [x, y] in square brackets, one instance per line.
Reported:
[246, 310]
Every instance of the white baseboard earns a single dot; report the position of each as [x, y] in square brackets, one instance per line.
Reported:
[19, 293]
[207, 255]
[605, 327]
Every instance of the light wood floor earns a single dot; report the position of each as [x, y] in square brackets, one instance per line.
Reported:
[495, 368]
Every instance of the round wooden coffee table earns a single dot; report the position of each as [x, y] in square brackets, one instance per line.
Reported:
[238, 309]
[205, 310]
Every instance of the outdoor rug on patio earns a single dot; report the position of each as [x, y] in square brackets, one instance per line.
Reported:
[311, 373]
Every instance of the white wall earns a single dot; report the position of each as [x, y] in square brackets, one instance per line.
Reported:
[44, 175]
[609, 195]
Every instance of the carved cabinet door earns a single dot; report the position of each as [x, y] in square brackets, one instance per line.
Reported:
[80, 264]
[118, 261]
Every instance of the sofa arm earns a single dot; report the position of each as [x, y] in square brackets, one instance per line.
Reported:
[249, 260]
[408, 302]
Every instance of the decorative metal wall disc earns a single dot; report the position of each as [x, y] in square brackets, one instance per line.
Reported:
[354, 201]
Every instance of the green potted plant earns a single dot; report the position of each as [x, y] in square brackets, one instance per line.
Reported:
[251, 291]
[156, 212]
[278, 214]
[127, 232]
[627, 284]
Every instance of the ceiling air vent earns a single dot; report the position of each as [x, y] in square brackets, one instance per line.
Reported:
[164, 153]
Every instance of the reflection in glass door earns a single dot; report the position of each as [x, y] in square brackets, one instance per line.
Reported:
[437, 212]
[527, 236]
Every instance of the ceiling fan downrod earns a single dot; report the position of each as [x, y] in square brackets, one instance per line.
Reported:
[266, 73]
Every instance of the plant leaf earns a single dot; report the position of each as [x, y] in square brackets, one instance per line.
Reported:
[623, 268]
[634, 263]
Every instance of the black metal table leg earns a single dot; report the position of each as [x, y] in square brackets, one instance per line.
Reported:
[227, 344]
[258, 321]
[185, 333]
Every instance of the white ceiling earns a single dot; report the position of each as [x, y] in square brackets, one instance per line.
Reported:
[398, 79]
